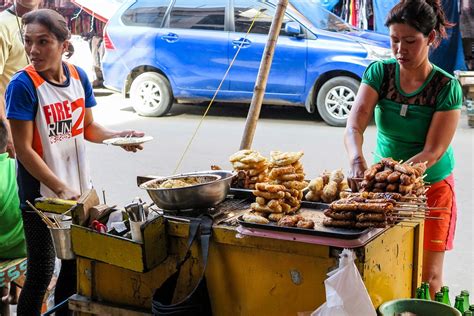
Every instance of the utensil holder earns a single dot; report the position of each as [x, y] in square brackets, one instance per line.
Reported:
[135, 228]
[62, 243]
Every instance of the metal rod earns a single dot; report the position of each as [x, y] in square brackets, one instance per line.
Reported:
[264, 70]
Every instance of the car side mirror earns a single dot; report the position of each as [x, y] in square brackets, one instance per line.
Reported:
[293, 29]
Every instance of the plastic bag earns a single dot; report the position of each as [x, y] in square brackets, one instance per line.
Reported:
[346, 294]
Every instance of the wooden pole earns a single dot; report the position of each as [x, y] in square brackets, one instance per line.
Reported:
[264, 70]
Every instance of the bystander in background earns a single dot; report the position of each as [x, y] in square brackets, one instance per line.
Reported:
[12, 51]
[467, 31]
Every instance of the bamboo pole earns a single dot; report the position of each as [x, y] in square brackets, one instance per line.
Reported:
[264, 70]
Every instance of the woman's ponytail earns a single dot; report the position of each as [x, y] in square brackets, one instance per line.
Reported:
[442, 21]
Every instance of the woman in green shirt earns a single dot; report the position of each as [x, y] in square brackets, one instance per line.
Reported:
[417, 108]
[12, 237]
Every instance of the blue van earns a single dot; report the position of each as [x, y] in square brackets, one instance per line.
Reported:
[159, 51]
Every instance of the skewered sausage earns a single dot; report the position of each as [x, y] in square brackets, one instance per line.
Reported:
[371, 217]
[392, 187]
[330, 222]
[370, 173]
[404, 168]
[389, 162]
[383, 175]
[375, 207]
[393, 177]
[406, 179]
[341, 215]
[405, 189]
[380, 185]
[370, 224]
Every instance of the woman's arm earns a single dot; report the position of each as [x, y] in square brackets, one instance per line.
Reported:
[440, 134]
[96, 133]
[22, 132]
[359, 118]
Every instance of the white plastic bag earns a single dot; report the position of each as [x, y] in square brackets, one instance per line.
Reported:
[346, 294]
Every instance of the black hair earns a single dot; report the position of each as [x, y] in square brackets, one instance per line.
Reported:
[54, 22]
[3, 135]
[423, 15]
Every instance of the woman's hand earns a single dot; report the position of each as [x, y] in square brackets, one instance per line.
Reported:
[131, 133]
[66, 193]
[356, 172]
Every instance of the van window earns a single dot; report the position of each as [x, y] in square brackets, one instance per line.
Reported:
[146, 13]
[245, 12]
[199, 15]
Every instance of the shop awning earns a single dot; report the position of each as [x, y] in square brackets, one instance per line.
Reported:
[102, 10]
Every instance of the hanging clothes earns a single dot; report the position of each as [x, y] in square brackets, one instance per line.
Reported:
[449, 55]
[381, 9]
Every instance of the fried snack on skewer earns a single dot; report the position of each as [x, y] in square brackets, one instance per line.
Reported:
[269, 195]
[275, 217]
[278, 158]
[336, 176]
[313, 196]
[290, 220]
[305, 223]
[329, 192]
[264, 208]
[253, 218]
[317, 184]
[267, 187]
[251, 168]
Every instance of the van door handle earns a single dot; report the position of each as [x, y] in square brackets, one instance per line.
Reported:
[241, 41]
[170, 37]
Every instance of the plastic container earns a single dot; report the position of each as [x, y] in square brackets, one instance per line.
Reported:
[417, 307]
[62, 243]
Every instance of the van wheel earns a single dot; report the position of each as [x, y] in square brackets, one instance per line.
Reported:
[151, 94]
[336, 98]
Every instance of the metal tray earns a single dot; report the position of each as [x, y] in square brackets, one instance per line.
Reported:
[318, 230]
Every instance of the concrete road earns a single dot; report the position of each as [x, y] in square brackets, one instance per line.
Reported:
[279, 128]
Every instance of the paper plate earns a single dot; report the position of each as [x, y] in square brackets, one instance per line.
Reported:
[124, 141]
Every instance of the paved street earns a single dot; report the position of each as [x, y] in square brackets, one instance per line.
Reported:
[286, 129]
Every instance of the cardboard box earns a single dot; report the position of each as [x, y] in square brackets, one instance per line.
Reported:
[120, 251]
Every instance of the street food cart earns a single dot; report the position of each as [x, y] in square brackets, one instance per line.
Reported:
[250, 271]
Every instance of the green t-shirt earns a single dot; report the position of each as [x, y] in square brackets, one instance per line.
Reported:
[403, 119]
[12, 238]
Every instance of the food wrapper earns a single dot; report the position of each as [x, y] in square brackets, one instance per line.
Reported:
[346, 294]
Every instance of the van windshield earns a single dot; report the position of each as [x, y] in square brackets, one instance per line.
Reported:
[320, 17]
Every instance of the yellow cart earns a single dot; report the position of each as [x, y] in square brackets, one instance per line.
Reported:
[249, 273]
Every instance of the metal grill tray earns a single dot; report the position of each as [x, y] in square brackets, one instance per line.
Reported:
[312, 210]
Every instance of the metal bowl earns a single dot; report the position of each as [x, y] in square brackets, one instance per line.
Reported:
[201, 196]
